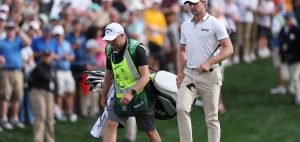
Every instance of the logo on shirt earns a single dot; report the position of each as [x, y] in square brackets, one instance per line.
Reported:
[205, 30]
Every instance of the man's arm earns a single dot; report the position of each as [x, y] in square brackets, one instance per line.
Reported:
[25, 38]
[108, 78]
[141, 83]
[142, 66]
[181, 60]
[226, 51]
[144, 72]
[144, 79]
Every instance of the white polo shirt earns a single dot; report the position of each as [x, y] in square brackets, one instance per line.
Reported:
[201, 39]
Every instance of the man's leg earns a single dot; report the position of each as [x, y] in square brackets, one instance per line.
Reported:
[70, 106]
[5, 96]
[4, 110]
[18, 93]
[131, 129]
[146, 122]
[38, 104]
[49, 127]
[110, 131]
[247, 41]
[85, 103]
[295, 81]
[69, 92]
[185, 98]
[110, 127]
[153, 136]
[59, 111]
[209, 90]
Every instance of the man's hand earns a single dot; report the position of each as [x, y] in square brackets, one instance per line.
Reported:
[2, 60]
[205, 67]
[126, 99]
[179, 79]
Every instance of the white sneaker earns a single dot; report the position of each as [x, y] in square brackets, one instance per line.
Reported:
[252, 57]
[73, 117]
[247, 59]
[236, 59]
[227, 63]
[278, 90]
[264, 52]
[61, 118]
[17, 123]
[6, 125]
[292, 89]
[94, 112]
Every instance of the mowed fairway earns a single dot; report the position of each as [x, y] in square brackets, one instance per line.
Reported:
[253, 115]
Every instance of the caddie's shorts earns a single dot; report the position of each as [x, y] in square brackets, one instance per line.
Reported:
[145, 121]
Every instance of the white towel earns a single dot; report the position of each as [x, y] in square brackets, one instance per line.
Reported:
[98, 126]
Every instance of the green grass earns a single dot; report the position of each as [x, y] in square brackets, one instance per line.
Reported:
[253, 115]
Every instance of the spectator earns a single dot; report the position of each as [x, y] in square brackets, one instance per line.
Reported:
[77, 39]
[156, 28]
[90, 102]
[26, 115]
[185, 13]
[45, 41]
[102, 17]
[173, 37]
[65, 80]
[231, 13]
[42, 82]
[265, 10]
[289, 49]
[34, 30]
[11, 84]
[135, 27]
[278, 22]
[3, 18]
[247, 9]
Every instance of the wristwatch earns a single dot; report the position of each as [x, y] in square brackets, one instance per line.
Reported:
[133, 92]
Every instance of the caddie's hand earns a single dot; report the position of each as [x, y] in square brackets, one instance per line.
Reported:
[126, 99]
[179, 79]
[205, 67]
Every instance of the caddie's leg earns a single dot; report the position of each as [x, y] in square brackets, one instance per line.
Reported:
[131, 129]
[153, 136]
[146, 122]
[110, 131]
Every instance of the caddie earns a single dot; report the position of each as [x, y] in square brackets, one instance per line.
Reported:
[127, 67]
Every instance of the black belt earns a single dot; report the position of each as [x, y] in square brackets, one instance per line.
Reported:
[12, 69]
[211, 69]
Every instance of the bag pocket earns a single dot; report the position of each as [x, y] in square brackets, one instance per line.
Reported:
[123, 110]
[140, 102]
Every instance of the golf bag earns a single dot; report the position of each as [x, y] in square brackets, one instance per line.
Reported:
[163, 84]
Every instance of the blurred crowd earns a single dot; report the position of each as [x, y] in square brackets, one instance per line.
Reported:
[72, 31]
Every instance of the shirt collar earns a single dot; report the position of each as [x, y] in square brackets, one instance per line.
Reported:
[203, 18]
